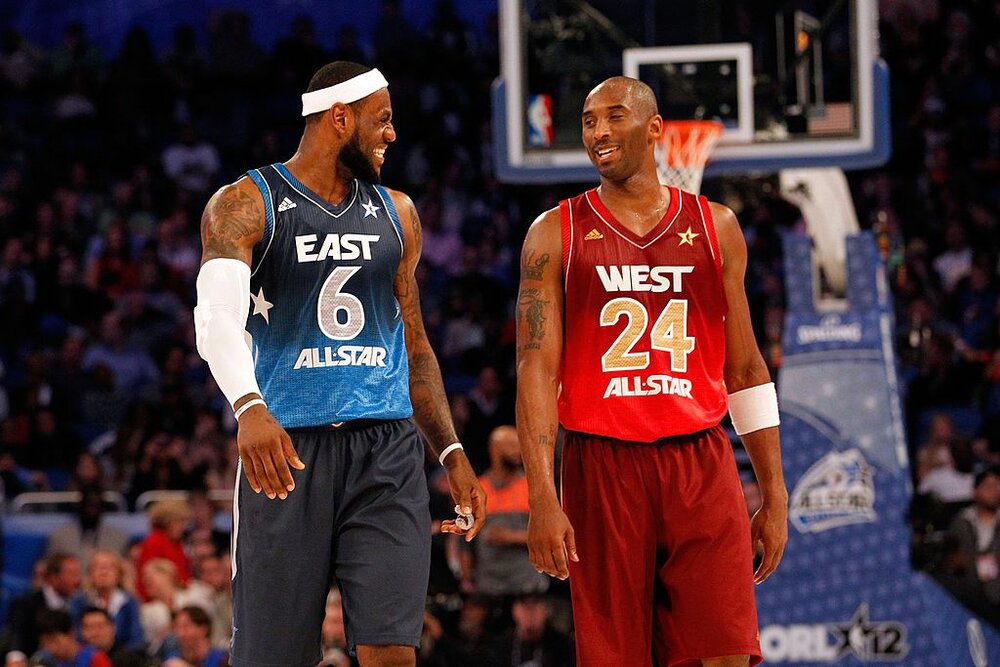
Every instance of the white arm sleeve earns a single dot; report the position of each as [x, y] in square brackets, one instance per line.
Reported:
[220, 321]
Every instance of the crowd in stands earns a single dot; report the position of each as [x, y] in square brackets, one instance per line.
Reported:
[108, 154]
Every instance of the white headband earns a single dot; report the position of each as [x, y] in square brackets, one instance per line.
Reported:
[345, 92]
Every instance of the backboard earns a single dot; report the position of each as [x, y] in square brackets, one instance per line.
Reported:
[796, 83]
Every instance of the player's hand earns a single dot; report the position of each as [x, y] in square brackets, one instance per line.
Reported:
[266, 452]
[551, 540]
[769, 533]
[468, 495]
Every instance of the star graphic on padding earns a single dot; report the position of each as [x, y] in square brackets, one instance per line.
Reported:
[370, 209]
[261, 305]
[688, 237]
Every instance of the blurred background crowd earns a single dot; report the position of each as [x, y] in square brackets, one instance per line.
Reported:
[108, 153]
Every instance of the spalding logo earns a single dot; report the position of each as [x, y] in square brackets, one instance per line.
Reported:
[836, 491]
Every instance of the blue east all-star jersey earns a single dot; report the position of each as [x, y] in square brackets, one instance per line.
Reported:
[325, 328]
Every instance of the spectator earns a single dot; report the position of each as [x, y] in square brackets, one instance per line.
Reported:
[216, 575]
[349, 48]
[132, 369]
[76, 55]
[939, 461]
[21, 61]
[193, 629]
[61, 584]
[501, 566]
[164, 465]
[975, 534]
[159, 576]
[202, 526]
[395, 39]
[191, 163]
[15, 659]
[489, 407]
[533, 642]
[167, 519]
[106, 593]
[297, 56]
[98, 630]
[470, 645]
[59, 645]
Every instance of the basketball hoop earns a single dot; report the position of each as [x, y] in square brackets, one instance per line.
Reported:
[683, 150]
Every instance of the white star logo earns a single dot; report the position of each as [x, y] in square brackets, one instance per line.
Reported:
[371, 209]
[688, 237]
[261, 305]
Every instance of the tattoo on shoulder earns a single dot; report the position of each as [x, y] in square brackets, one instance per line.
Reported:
[232, 218]
[418, 233]
[531, 307]
[532, 265]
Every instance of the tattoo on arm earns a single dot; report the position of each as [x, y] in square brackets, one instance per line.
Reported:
[430, 403]
[532, 309]
[230, 224]
[532, 266]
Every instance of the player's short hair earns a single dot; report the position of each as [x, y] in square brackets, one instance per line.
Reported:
[643, 97]
[331, 74]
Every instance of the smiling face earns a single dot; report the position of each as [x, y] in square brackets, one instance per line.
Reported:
[620, 127]
[364, 153]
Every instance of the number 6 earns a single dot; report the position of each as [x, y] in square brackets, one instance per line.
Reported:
[331, 301]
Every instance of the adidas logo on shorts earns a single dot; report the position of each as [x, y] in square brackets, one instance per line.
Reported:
[593, 235]
[286, 204]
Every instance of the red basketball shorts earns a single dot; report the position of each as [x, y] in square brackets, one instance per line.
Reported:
[666, 567]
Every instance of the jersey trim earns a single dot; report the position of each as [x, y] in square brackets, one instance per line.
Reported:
[390, 206]
[709, 223]
[269, 218]
[300, 187]
[566, 225]
[621, 230]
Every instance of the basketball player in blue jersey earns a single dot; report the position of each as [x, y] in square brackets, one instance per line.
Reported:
[309, 318]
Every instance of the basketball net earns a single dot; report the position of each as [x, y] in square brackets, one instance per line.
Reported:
[683, 150]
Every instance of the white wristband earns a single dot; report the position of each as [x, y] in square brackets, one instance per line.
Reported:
[754, 408]
[448, 450]
[246, 406]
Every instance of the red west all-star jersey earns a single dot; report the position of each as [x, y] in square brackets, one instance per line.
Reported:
[644, 334]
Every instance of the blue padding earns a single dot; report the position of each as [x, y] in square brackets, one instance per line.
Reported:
[41, 523]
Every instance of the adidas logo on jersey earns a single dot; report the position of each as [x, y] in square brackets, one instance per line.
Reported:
[286, 204]
[593, 235]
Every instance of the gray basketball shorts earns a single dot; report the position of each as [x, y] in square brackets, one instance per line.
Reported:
[358, 517]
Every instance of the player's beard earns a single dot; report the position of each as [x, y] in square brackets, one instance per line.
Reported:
[357, 163]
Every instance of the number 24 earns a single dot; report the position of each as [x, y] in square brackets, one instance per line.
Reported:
[669, 334]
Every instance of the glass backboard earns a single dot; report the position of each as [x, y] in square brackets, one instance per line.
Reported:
[796, 83]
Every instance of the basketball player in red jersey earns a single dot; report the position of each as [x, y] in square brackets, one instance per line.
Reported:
[634, 333]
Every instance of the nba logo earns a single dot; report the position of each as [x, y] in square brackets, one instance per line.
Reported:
[540, 121]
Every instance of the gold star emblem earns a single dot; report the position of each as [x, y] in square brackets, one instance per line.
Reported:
[688, 237]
